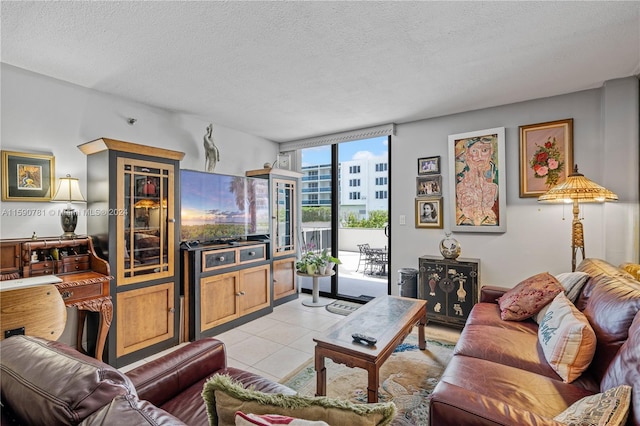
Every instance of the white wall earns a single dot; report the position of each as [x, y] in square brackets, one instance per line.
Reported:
[537, 238]
[45, 115]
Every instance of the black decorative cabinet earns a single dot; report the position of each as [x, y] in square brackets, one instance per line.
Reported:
[450, 288]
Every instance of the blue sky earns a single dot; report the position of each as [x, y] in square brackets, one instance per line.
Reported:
[365, 148]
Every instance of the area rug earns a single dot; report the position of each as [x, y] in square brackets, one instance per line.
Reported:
[407, 378]
[342, 307]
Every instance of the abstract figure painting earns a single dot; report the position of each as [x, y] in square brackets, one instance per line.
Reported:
[477, 181]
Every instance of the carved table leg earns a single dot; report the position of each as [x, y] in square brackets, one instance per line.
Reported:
[104, 306]
[321, 375]
[373, 382]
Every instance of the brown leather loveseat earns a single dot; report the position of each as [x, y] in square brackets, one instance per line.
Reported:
[499, 374]
[49, 383]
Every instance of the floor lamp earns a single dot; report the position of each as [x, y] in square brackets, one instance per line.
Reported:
[577, 189]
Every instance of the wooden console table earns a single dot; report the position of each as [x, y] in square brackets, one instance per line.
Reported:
[85, 277]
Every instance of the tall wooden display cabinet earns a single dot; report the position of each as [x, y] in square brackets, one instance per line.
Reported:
[285, 220]
[132, 212]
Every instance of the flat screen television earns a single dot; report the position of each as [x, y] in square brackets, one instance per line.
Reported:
[221, 208]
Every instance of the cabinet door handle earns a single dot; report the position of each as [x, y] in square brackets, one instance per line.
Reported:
[172, 310]
[172, 220]
[252, 253]
[239, 294]
[242, 293]
[221, 258]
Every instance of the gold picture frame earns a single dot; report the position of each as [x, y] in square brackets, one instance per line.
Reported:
[429, 213]
[546, 156]
[27, 177]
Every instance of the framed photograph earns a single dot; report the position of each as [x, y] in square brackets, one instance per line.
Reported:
[27, 177]
[429, 213]
[429, 165]
[546, 156]
[428, 186]
[477, 185]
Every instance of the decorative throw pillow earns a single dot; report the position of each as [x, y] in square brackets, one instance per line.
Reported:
[528, 297]
[243, 419]
[572, 283]
[566, 337]
[610, 408]
[224, 397]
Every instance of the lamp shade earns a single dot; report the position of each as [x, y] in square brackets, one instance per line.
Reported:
[68, 190]
[577, 188]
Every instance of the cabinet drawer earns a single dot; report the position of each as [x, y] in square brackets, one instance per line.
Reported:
[46, 267]
[75, 267]
[73, 294]
[217, 258]
[70, 260]
[252, 254]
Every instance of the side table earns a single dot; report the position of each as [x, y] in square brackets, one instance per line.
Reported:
[315, 292]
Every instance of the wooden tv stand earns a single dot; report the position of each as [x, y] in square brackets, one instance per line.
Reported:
[85, 277]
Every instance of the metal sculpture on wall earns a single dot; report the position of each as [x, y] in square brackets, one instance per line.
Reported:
[212, 155]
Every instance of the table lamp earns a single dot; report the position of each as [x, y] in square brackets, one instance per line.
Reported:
[68, 191]
[577, 189]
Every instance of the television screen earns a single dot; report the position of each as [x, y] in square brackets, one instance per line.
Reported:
[217, 207]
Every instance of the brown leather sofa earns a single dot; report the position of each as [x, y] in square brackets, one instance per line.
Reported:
[499, 375]
[49, 383]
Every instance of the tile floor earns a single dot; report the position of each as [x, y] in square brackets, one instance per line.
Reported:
[279, 343]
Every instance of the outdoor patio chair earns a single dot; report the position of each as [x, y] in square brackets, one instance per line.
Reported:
[363, 255]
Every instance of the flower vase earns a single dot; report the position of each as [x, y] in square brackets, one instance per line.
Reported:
[311, 269]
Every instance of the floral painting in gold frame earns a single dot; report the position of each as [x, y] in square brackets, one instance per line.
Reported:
[27, 177]
[546, 156]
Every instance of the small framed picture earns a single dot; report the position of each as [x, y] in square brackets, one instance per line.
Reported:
[429, 165]
[428, 186]
[429, 213]
[27, 177]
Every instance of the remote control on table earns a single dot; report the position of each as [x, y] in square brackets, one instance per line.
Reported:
[363, 339]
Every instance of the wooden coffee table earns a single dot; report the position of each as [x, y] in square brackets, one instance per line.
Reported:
[387, 318]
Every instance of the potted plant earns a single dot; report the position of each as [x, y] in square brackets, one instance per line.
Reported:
[316, 263]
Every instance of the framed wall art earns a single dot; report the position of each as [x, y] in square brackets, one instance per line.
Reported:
[27, 177]
[546, 156]
[429, 213]
[477, 181]
[429, 165]
[428, 186]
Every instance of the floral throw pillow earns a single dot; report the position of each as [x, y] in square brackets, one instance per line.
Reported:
[610, 408]
[529, 297]
[249, 419]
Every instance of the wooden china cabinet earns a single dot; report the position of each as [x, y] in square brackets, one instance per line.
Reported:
[133, 205]
[283, 185]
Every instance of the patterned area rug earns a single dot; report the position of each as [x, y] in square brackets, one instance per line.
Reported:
[407, 378]
[342, 307]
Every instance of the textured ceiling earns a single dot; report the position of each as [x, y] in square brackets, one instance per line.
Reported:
[291, 70]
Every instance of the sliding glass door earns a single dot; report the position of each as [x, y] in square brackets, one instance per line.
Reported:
[345, 209]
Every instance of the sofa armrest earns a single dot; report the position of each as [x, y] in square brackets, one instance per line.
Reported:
[489, 293]
[163, 378]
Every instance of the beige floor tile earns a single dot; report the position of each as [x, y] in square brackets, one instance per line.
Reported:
[305, 343]
[280, 363]
[284, 333]
[258, 325]
[234, 336]
[253, 350]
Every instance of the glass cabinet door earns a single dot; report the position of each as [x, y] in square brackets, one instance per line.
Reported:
[284, 216]
[146, 223]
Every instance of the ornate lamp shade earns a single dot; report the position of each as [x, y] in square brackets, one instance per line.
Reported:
[577, 189]
[68, 191]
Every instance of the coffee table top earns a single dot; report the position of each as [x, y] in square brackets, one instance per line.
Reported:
[382, 318]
